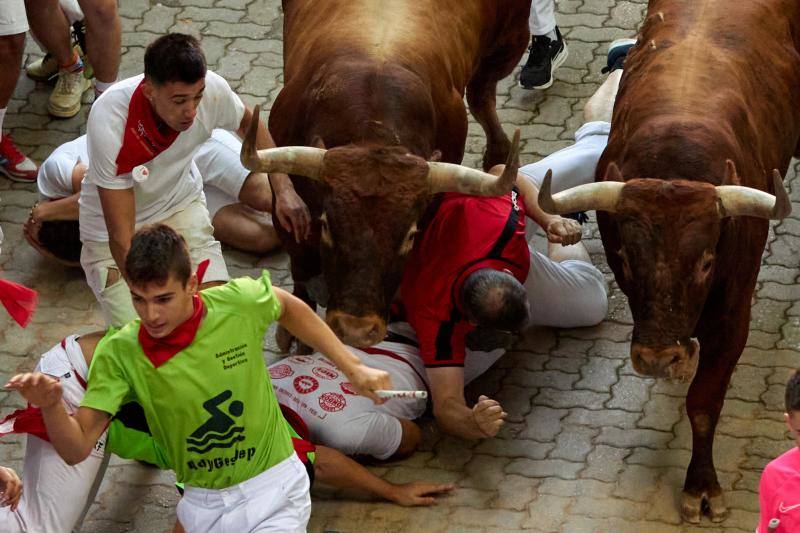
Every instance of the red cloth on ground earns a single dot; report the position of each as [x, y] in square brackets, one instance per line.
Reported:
[19, 301]
[143, 139]
[467, 233]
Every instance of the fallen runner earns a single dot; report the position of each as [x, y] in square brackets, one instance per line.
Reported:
[238, 200]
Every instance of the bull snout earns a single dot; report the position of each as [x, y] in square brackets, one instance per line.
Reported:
[356, 330]
[674, 362]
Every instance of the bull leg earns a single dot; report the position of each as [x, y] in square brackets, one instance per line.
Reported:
[482, 89]
[720, 350]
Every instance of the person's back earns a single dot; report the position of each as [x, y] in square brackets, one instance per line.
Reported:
[779, 490]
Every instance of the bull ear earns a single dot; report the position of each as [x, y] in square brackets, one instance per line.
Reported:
[731, 176]
[436, 156]
[613, 173]
[317, 142]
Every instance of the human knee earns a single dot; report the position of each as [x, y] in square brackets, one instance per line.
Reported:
[99, 11]
[11, 47]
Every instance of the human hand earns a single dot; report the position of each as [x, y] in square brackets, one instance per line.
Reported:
[37, 388]
[563, 230]
[292, 213]
[10, 488]
[419, 493]
[488, 415]
[367, 380]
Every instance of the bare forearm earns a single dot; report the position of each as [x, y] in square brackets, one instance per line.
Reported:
[61, 209]
[337, 470]
[454, 417]
[307, 326]
[66, 434]
[119, 212]
[530, 194]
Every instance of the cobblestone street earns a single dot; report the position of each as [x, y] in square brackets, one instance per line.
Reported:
[589, 445]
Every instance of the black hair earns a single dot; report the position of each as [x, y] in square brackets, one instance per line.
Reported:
[174, 57]
[792, 396]
[156, 253]
[495, 299]
[62, 239]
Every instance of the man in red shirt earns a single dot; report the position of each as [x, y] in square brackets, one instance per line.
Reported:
[467, 270]
[779, 491]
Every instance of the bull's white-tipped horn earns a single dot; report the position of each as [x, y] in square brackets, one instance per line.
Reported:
[738, 201]
[600, 196]
[298, 160]
[448, 177]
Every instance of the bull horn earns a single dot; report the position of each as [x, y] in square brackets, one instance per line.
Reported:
[448, 177]
[599, 196]
[297, 160]
[738, 201]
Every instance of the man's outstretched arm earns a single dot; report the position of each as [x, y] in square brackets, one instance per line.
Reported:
[451, 411]
[72, 437]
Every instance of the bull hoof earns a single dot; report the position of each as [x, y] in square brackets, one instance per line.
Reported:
[717, 510]
[283, 339]
[691, 508]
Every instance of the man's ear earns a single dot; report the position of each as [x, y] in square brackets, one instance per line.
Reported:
[436, 156]
[147, 89]
[192, 285]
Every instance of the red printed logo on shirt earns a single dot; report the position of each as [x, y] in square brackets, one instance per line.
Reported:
[325, 373]
[280, 371]
[325, 361]
[348, 388]
[302, 359]
[332, 402]
[305, 384]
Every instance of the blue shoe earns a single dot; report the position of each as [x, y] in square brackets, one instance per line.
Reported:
[617, 52]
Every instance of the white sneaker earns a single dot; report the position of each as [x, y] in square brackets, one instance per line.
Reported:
[65, 100]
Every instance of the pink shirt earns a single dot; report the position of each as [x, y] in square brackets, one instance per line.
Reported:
[779, 493]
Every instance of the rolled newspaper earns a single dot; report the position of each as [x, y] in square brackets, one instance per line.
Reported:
[416, 394]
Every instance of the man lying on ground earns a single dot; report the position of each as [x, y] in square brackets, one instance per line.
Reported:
[194, 363]
[472, 279]
[238, 200]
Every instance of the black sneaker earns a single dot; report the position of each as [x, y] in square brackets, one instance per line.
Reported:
[617, 52]
[545, 57]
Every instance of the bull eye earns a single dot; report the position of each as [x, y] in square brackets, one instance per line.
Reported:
[707, 264]
[325, 231]
[408, 241]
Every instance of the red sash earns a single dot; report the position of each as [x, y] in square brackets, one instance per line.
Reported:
[19, 301]
[143, 140]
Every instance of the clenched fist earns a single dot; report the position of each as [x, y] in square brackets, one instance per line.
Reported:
[488, 415]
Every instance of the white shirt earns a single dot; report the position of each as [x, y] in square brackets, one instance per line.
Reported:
[336, 416]
[174, 181]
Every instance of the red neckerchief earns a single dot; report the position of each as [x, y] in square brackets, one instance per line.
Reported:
[19, 301]
[159, 351]
[143, 140]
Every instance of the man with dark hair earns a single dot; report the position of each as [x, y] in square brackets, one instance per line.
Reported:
[194, 363]
[142, 135]
[779, 490]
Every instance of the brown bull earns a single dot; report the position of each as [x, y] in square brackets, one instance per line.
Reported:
[381, 85]
[705, 123]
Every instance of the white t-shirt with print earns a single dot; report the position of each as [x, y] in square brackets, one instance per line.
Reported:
[173, 181]
[337, 417]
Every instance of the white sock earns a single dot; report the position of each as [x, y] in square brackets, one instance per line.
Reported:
[101, 86]
[2, 116]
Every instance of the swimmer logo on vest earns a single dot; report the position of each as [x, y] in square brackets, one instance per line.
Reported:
[219, 431]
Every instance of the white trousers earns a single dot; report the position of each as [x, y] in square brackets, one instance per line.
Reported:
[55, 494]
[192, 223]
[277, 501]
[571, 293]
[542, 19]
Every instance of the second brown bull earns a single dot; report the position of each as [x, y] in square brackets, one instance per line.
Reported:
[373, 100]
